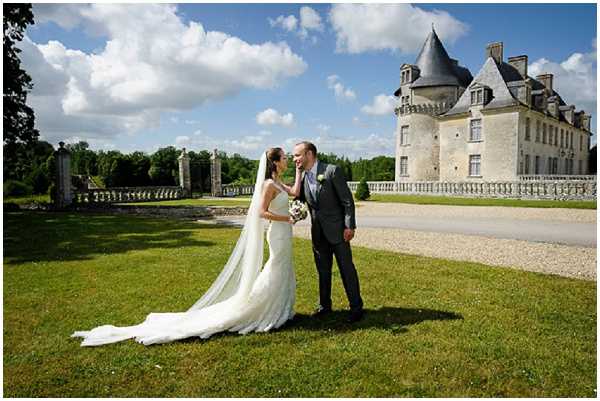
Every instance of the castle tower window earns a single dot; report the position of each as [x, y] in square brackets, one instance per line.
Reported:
[537, 165]
[527, 129]
[526, 164]
[580, 143]
[562, 137]
[537, 131]
[475, 130]
[404, 135]
[404, 165]
[475, 165]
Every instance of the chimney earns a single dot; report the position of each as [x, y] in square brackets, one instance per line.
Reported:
[546, 79]
[520, 63]
[495, 50]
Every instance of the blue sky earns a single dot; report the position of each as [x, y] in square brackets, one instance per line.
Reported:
[143, 76]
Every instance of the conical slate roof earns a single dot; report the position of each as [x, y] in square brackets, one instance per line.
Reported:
[436, 67]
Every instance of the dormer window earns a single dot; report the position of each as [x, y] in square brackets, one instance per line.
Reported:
[405, 76]
[480, 95]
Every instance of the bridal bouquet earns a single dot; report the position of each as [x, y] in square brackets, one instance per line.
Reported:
[298, 210]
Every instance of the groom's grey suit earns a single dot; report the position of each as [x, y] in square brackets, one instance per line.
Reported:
[332, 210]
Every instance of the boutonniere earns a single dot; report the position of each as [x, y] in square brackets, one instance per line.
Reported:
[320, 178]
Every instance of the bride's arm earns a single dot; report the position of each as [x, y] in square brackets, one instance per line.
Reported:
[294, 190]
[269, 192]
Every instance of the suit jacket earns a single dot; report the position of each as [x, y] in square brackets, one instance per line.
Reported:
[332, 208]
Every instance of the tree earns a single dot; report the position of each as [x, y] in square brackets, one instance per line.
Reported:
[362, 191]
[164, 168]
[18, 118]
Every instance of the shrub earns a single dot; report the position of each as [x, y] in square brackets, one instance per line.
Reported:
[362, 191]
[16, 188]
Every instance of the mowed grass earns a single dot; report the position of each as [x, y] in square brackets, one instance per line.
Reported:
[443, 200]
[433, 328]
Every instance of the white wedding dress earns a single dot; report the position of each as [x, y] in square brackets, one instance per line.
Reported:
[243, 298]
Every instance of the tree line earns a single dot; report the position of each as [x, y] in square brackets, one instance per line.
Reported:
[31, 169]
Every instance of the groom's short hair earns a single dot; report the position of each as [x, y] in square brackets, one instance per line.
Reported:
[309, 146]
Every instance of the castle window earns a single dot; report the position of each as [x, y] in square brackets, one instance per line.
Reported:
[475, 165]
[537, 165]
[480, 95]
[580, 167]
[404, 135]
[537, 131]
[544, 133]
[549, 166]
[550, 134]
[526, 164]
[404, 165]
[527, 129]
[562, 137]
[571, 143]
[555, 136]
[581, 143]
[475, 130]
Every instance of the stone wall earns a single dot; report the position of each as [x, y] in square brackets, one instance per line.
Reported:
[422, 149]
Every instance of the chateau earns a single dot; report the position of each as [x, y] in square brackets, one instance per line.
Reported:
[495, 127]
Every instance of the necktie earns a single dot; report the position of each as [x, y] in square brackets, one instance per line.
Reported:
[312, 183]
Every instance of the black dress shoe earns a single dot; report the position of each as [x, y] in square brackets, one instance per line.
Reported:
[321, 312]
[355, 316]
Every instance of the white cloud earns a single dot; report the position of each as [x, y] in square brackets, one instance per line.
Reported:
[310, 20]
[251, 146]
[288, 23]
[341, 92]
[272, 117]
[141, 71]
[323, 128]
[574, 79]
[352, 147]
[382, 105]
[403, 27]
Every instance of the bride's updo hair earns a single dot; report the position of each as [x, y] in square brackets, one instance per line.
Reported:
[273, 155]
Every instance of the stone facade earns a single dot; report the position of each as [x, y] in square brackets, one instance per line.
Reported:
[499, 126]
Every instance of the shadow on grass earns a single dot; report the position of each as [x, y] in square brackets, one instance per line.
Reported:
[43, 236]
[389, 318]
[394, 320]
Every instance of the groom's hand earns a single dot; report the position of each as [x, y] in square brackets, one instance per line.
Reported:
[348, 234]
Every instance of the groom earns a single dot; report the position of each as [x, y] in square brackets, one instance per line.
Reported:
[331, 207]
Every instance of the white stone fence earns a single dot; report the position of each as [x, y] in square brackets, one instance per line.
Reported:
[539, 177]
[559, 190]
[128, 194]
[237, 190]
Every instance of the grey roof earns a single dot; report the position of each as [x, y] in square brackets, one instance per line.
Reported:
[436, 68]
[490, 76]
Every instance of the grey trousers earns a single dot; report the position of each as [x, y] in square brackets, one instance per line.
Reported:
[323, 252]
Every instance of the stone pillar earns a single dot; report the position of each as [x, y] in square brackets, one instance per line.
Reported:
[63, 177]
[185, 180]
[215, 174]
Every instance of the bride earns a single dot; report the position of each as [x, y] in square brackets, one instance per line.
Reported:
[243, 298]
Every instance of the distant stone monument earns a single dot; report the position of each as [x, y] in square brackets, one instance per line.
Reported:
[63, 196]
[185, 181]
[215, 174]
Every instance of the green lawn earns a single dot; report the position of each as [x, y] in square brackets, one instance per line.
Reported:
[443, 200]
[433, 328]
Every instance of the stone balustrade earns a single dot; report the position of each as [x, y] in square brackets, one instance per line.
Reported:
[559, 190]
[540, 177]
[433, 109]
[237, 190]
[128, 194]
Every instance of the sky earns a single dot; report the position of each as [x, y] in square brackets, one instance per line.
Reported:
[246, 77]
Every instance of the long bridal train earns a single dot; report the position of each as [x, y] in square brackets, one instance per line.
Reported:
[242, 299]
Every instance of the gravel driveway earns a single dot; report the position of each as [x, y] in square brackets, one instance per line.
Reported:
[565, 260]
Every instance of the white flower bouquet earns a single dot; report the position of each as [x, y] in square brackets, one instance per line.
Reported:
[298, 210]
